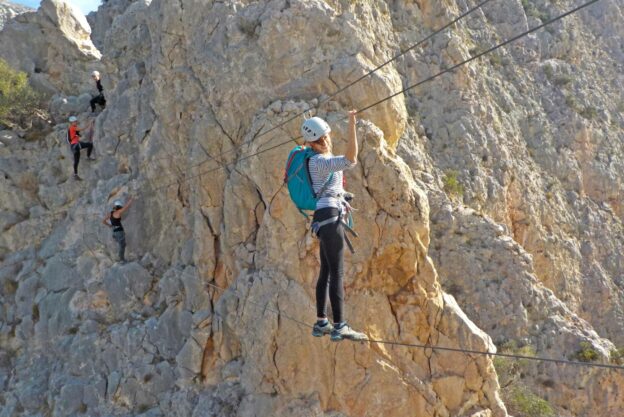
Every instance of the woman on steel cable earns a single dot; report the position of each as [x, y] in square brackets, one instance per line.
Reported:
[326, 175]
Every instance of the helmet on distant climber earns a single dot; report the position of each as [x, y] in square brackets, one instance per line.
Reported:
[73, 119]
[95, 74]
[314, 128]
[117, 204]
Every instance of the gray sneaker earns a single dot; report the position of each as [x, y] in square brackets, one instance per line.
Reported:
[320, 331]
[346, 332]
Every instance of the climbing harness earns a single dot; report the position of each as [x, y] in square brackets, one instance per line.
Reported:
[299, 181]
[345, 219]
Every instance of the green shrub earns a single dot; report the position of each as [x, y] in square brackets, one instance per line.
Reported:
[586, 353]
[521, 401]
[506, 369]
[562, 79]
[589, 112]
[509, 370]
[496, 60]
[531, 10]
[10, 287]
[35, 313]
[452, 185]
[616, 356]
[572, 103]
[17, 98]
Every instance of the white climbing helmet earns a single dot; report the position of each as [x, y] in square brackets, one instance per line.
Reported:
[73, 119]
[95, 74]
[314, 128]
[117, 203]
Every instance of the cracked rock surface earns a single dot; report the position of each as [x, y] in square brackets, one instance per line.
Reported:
[209, 316]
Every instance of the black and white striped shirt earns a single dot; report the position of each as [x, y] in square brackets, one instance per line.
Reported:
[321, 166]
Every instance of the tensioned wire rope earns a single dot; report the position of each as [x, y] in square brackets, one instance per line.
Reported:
[426, 346]
[447, 70]
[431, 78]
[433, 347]
[333, 95]
[394, 58]
[417, 84]
[430, 346]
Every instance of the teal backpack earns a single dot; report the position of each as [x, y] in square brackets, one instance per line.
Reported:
[297, 178]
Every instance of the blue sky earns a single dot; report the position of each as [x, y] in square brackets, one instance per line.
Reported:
[85, 6]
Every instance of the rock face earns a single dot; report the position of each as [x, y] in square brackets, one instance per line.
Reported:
[9, 10]
[102, 19]
[53, 46]
[510, 304]
[209, 317]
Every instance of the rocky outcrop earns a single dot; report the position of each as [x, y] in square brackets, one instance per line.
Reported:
[558, 199]
[517, 141]
[209, 317]
[102, 19]
[513, 307]
[53, 46]
[9, 10]
[233, 231]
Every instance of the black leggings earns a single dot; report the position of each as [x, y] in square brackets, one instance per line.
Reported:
[332, 269]
[99, 99]
[76, 150]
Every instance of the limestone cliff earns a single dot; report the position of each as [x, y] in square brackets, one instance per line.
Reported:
[497, 183]
[52, 45]
[9, 10]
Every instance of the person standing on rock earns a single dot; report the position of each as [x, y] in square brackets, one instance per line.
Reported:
[326, 175]
[73, 137]
[99, 99]
[113, 220]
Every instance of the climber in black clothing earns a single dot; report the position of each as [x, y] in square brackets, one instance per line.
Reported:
[99, 99]
[113, 220]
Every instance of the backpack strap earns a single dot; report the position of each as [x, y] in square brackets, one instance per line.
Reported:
[292, 156]
[325, 185]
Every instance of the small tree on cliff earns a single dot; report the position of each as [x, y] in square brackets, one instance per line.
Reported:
[17, 98]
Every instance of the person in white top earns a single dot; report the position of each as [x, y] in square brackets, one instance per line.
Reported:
[326, 174]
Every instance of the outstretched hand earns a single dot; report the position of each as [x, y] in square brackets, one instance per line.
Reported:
[352, 146]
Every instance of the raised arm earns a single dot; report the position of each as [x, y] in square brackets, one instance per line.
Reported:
[352, 145]
[122, 210]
